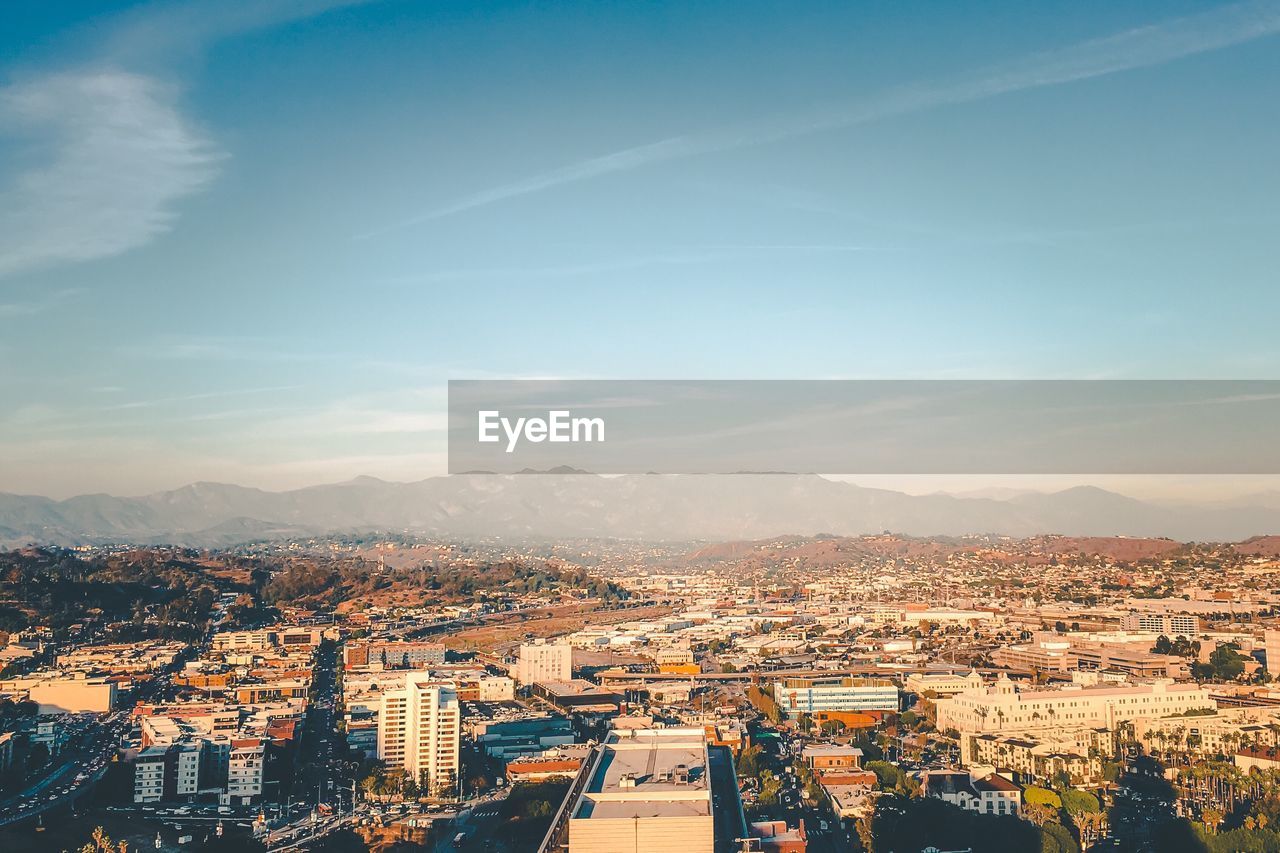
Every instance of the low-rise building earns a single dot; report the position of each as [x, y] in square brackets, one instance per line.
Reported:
[981, 791]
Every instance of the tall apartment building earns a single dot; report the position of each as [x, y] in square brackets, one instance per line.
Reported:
[245, 767]
[168, 772]
[1169, 624]
[545, 662]
[419, 729]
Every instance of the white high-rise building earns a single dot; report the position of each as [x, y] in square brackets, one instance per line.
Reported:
[419, 729]
[545, 662]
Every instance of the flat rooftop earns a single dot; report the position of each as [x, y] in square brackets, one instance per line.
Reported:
[649, 773]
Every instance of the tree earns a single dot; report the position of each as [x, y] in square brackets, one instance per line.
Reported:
[102, 843]
[770, 788]
[1039, 813]
[1056, 838]
[1091, 826]
[749, 761]
[1033, 795]
[1079, 802]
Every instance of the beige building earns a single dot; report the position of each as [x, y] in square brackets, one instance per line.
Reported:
[1004, 708]
[544, 662]
[942, 684]
[647, 791]
[419, 729]
[64, 694]
[1210, 734]
[1041, 755]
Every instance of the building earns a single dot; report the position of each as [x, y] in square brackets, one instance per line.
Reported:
[1210, 734]
[148, 775]
[508, 738]
[811, 694]
[402, 655]
[246, 765]
[1257, 757]
[544, 662]
[1041, 756]
[578, 695]
[985, 793]
[419, 729]
[273, 691]
[774, 836]
[942, 684]
[225, 641]
[165, 773]
[1006, 708]
[1271, 649]
[1050, 653]
[651, 791]
[65, 694]
[1169, 624]
[821, 757]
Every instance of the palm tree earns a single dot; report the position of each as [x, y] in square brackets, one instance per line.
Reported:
[1092, 826]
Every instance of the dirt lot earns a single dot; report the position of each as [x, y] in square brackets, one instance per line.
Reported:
[564, 620]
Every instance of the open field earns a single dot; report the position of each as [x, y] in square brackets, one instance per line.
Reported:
[560, 620]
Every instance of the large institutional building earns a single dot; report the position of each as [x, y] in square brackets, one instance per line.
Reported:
[419, 730]
[1004, 707]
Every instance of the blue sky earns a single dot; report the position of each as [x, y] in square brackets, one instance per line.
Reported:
[251, 242]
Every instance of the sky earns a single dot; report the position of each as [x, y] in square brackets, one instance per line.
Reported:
[251, 242]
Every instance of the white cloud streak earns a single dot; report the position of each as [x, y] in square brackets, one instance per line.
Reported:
[1141, 47]
[119, 157]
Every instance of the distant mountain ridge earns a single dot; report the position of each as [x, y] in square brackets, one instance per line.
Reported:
[645, 507]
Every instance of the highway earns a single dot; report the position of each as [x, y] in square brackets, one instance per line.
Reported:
[81, 765]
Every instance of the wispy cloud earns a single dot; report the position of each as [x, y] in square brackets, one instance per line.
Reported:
[111, 152]
[204, 395]
[1141, 47]
[189, 27]
[218, 348]
[119, 157]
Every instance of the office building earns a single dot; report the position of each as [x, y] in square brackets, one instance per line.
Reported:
[811, 694]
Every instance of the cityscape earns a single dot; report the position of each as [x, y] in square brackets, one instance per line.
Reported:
[831, 693]
[639, 426]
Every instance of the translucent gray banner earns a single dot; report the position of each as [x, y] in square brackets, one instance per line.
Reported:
[866, 426]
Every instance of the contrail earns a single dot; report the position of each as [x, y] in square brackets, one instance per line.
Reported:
[1136, 48]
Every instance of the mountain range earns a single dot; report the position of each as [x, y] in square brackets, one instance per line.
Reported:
[644, 507]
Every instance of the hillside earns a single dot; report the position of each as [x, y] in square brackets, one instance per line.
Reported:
[655, 508]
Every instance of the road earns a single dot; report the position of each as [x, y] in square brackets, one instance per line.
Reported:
[81, 765]
[322, 777]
